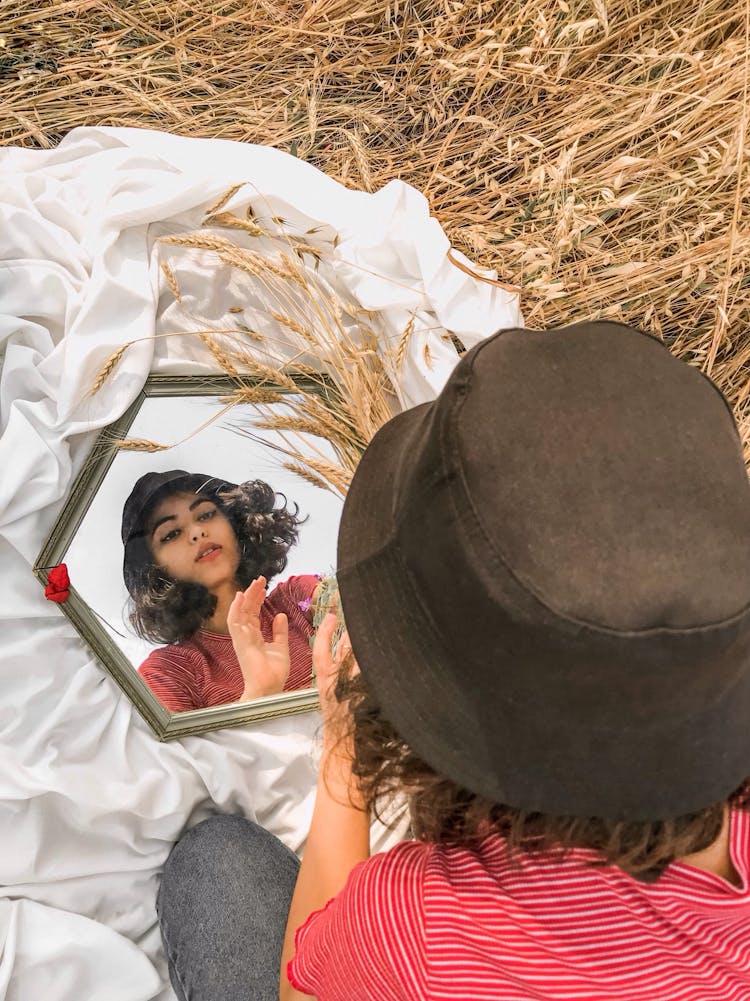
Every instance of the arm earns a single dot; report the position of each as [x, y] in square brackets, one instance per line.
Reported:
[339, 835]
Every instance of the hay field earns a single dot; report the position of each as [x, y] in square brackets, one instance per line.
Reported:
[594, 152]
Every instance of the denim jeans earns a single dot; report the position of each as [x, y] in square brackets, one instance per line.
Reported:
[222, 905]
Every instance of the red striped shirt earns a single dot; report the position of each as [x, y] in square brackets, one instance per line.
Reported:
[437, 921]
[204, 670]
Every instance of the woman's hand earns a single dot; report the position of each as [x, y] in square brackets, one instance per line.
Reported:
[338, 750]
[264, 666]
[326, 665]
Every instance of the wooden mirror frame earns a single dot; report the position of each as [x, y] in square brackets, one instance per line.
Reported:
[165, 724]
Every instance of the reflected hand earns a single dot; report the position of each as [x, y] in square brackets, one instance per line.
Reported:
[264, 666]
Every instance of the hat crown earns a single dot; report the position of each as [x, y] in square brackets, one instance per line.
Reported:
[590, 476]
[545, 575]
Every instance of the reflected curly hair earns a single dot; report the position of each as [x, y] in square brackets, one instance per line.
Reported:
[386, 766]
[165, 610]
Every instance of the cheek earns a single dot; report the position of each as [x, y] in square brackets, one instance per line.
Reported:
[172, 564]
[230, 540]
[236, 553]
[165, 564]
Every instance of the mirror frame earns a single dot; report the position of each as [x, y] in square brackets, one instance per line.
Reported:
[165, 724]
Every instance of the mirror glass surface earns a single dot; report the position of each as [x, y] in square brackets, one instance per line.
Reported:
[221, 451]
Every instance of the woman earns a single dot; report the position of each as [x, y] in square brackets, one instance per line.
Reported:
[545, 575]
[198, 554]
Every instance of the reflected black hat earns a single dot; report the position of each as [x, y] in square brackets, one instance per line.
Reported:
[147, 492]
[545, 574]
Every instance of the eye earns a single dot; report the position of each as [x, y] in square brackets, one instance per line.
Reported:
[205, 515]
[170, 535]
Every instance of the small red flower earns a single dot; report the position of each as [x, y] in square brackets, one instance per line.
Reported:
[58, 584]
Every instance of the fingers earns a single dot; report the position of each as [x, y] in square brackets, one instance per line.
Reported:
[254, 598]
[245, 609]
[281, 629]
[234, 615]
[322, 659]
[343, 647]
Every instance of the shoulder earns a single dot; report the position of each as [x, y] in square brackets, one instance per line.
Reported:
[352, 943]
[405, 862]
[174, 656]
[387, 887]
[174, 674]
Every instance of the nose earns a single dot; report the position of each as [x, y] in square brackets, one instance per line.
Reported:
[197, 532]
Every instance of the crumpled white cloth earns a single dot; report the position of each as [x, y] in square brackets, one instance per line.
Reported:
[90, 802]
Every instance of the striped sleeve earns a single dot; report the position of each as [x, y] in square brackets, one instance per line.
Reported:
[368, 942]
[294, 594]
[172, 675]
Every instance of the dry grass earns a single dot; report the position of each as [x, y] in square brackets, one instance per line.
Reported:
[593, 151]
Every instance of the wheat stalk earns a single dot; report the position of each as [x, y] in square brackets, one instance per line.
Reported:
[266, 373]
[226, 197]
[227, 219]
[403, 342]
[302, 471]
[253, 394]
[298, 328]
[138, 445]
[107, 369]
[308, 426]
[360, 155]
[338, 477]
[219, 354]
[171, 279]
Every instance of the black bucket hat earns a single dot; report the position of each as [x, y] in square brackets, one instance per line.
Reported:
[545, 574]
[149, 489]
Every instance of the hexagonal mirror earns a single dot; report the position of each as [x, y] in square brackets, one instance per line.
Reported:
[161, 555]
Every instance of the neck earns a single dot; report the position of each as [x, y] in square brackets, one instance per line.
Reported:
[716, 859]
[224, 597]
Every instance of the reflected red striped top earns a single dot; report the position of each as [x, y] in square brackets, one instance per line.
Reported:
[204, 670]
[445, 922]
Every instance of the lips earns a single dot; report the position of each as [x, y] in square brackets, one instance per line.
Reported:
[208, 552]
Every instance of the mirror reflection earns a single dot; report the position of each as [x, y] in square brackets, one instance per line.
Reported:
[198, 554]
[194, 556]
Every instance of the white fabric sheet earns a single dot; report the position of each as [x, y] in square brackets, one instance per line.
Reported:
[90, 802]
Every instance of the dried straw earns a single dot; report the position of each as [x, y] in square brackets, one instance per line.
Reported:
[301, 470]
[107, 369]
[403, 342]
[231, 221]
[225, 362]
[592, 152]
[263, 372]
[253, 394]
[171, 280]
[138, 445]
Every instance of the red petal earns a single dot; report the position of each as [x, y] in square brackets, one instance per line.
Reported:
[58, 577]
[57, 596]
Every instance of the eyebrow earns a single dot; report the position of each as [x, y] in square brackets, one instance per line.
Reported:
[173, 517]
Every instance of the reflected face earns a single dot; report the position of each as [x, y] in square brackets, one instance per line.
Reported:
[192, 539]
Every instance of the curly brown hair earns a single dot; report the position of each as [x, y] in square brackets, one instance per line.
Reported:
[385, 766]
